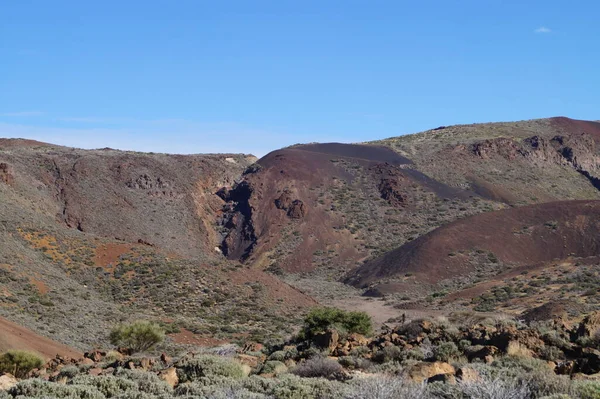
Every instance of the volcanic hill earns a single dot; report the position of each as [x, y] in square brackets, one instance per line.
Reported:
[228, 247]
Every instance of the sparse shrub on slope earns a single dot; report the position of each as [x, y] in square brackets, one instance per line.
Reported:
[19, 363]
[195, 367]
[138, 336]
[317, 367]
[498, 388]
[384, 387]
[109, 385]
[586, 389]
[146, 382]
[36, 388]
[446, 351]
[320, 319]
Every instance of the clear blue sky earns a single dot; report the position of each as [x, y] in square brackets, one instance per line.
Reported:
[252, 76]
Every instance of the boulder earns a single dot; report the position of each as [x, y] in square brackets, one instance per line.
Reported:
[86, 361]
[7, 381]
[327, 340]
[423, 371]
[166, 359]
[251, 361]
[94, 355]
[590, 326]
[297, 210]
[481, 352]
[96, 371]
[169, 376]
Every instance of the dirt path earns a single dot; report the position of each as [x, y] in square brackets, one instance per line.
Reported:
[379, 312]
[13, 336]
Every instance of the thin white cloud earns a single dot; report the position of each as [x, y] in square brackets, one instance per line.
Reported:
[543, 29]
[22, 113]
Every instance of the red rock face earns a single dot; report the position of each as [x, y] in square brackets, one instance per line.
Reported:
[6, 176]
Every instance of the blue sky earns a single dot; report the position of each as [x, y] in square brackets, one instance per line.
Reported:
[252, 76]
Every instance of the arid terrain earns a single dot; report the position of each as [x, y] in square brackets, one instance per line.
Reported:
[499, 218]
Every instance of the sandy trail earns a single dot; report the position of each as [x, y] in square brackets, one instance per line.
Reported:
[14, 336]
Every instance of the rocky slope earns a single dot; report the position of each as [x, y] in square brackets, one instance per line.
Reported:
[205, 242]
[92, 238]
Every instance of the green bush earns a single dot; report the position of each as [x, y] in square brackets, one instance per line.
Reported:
[146, 382]
[446, 351]
[36, 388]
[19, 363]
[109, 385]
[68, 372]
[138, 336]
[586, 389]
[194, 367]
[273, 367]
[546, 384]
[320, 319]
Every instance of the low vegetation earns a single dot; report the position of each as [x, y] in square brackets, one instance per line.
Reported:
[138, 336]
[19, 363]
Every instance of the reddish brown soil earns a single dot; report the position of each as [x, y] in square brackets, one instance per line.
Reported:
[577, 126]
[276, 289]
[553, 231]
[107, 254]
[13, 336]
[189, 338]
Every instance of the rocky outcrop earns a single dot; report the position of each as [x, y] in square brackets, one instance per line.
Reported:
[6, 175]
[590, 326]
[169, 376]
[327, 340]
[7, 381]
[295, 208]
[425, 371]
[240, 238]
[505, 147]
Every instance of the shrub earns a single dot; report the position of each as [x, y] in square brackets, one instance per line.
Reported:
[290, 386]
[446, 351]
[355, 363]
[552, 353]
[384, 387]
[38, 388]
[109, 385]
[317, 367]
[273, 367]
[517, 349]
[146, 382]
[138, 336]
[388, 354]
[68, 371]
[497, 388]
[545, 384]
[194, 367]
[320, 319]
[277, 355]
[586, 389]
[19, 363]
